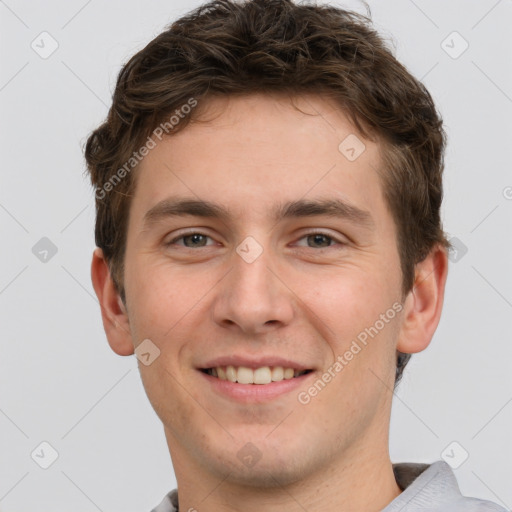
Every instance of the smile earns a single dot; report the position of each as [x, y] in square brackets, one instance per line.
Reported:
[262, 375]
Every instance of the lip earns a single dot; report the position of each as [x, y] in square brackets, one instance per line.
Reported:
[255, 393]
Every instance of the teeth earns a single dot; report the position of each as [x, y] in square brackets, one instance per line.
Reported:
[231, 373]
[263, 375]
[277, 373]
[245, 375]
[288, 373]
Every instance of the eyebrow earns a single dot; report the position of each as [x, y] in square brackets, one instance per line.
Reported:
[178, 207]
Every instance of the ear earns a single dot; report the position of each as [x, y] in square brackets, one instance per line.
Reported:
[113, 312]
[423, 304]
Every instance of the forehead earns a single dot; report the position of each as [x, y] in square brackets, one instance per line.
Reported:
[253, 152]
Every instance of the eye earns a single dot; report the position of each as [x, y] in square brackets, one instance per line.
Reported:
[191, 240]
[317, 239]
[320, 240]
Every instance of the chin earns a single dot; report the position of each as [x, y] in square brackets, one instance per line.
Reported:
[267, 473]
[263, 464]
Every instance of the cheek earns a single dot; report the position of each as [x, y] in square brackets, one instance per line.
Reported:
[171, 401]
[348, 301]
[359, 323]
[164, 311]
[166, 308]
[356, 312]
[164, 298]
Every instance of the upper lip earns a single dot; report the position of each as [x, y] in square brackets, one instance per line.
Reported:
[254, 362]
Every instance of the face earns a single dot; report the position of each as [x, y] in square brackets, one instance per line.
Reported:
[258, 250]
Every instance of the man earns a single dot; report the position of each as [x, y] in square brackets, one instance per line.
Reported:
[268, 187]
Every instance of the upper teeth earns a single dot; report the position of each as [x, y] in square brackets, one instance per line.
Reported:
[263, 375]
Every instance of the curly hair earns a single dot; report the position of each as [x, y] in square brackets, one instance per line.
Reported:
[228, 47]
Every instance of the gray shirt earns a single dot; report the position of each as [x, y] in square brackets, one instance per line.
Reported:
[425, 487]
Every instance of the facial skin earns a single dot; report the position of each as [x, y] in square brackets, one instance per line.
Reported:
[304, 299]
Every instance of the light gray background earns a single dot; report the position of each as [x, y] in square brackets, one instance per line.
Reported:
[59, 380]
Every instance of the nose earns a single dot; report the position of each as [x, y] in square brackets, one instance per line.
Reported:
[253, 297]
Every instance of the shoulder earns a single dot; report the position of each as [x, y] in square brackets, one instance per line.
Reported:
[433, 488]
[474, 505]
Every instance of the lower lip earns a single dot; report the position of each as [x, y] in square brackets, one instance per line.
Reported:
[255, 392]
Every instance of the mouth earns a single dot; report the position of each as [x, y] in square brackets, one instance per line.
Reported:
[255, 376]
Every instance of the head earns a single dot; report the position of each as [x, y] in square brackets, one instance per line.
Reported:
[252, 106]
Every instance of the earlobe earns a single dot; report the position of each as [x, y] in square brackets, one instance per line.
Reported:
[424, 303]
[113, 312]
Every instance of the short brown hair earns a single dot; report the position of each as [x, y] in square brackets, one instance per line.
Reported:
[235, 48]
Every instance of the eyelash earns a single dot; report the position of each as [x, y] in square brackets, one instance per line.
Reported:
[312, 233]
